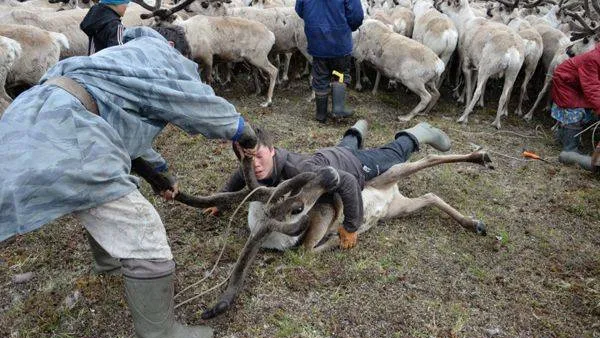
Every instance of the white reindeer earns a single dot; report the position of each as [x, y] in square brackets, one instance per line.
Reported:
[398, 58]
[488, 47]
[435, 30]
[10, 51]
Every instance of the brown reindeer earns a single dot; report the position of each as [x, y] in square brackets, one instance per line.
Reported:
[301, 208]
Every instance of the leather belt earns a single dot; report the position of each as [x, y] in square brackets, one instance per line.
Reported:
[77, 90]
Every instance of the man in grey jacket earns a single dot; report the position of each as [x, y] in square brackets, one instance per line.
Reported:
[355, 166]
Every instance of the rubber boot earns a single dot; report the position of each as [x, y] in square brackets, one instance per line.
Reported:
[151, 304]
[358, 130]
[427, 134]
[103, 262]
[566, 137]
[338, 99]
[322, 102]
[572, 157]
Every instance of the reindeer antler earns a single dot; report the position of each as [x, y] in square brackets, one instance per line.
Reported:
[156, 6]
[536, 3]
[510, 5]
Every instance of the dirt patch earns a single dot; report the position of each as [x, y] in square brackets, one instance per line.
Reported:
[536, 274]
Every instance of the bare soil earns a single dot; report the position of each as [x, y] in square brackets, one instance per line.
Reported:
[536, 274]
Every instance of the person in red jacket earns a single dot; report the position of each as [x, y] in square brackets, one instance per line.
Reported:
[575, 94]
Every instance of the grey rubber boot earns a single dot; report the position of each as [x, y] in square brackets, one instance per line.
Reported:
[338, 100]
[322, 102]
[359, 130]
[428, 134]
[572, 157]
[151, 304]
[103, 262]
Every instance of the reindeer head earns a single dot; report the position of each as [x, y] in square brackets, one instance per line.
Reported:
[166, 14]
[584, 29]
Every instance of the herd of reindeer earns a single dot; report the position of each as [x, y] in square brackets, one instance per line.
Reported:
[408, 41]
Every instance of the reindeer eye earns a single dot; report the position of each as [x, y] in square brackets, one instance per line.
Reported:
[298, 210]
[586, 40]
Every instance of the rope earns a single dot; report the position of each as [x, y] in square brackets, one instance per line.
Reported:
[225, 235]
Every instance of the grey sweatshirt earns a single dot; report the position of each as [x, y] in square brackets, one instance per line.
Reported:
[287, 165]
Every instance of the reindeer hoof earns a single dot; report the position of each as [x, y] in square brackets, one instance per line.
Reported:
[218, 309]
[266, 104]
[480, 228]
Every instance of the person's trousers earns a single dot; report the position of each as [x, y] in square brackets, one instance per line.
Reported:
[322, 72]
[130, 229]
[376, 161]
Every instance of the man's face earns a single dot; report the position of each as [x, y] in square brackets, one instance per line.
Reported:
[120, 9]
[263, 162]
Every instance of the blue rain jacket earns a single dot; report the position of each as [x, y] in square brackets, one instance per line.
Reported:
[328, 25]
[57, 157]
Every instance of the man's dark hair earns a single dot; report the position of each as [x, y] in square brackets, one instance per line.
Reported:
[177, 35]
[263, 137]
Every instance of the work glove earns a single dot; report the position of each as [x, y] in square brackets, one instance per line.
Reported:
[248, 138]
[347, 239]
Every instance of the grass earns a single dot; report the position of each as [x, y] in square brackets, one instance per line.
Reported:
[420, 276]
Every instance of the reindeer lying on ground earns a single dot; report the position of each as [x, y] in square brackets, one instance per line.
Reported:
[301, 208]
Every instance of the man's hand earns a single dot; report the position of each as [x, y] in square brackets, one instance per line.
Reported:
[248, 138]
[212, 211]
[242, 152]
[170, 194]
[347, 239]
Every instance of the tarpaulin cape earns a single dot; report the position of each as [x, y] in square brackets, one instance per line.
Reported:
[58, 158]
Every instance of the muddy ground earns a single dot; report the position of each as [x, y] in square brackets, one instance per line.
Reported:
[536, 274]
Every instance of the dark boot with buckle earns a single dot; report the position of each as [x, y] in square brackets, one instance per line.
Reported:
[322, 102]
[338, 98]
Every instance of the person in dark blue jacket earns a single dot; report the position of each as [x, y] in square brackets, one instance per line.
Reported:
[328, 25]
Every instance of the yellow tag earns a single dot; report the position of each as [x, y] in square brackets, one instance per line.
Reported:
[339, 75]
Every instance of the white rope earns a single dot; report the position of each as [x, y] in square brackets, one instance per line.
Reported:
[595, 125]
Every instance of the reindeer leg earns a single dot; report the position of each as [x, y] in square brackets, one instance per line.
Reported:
[358, 85]
[286, 67]
[376, 85]
[266, 66]
[402, 206]
[398, 171]
[543, 92]
[417, 87]
[523, 96]
[509, 82]
[320, 219]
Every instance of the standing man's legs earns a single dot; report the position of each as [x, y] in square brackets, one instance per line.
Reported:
[320, 84]
[338, 89]
[130, 229]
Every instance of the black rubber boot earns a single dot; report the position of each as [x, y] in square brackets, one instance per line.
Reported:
[338, 98]
[322, 102]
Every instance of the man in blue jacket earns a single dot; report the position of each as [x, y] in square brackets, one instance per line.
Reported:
[328, 25]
